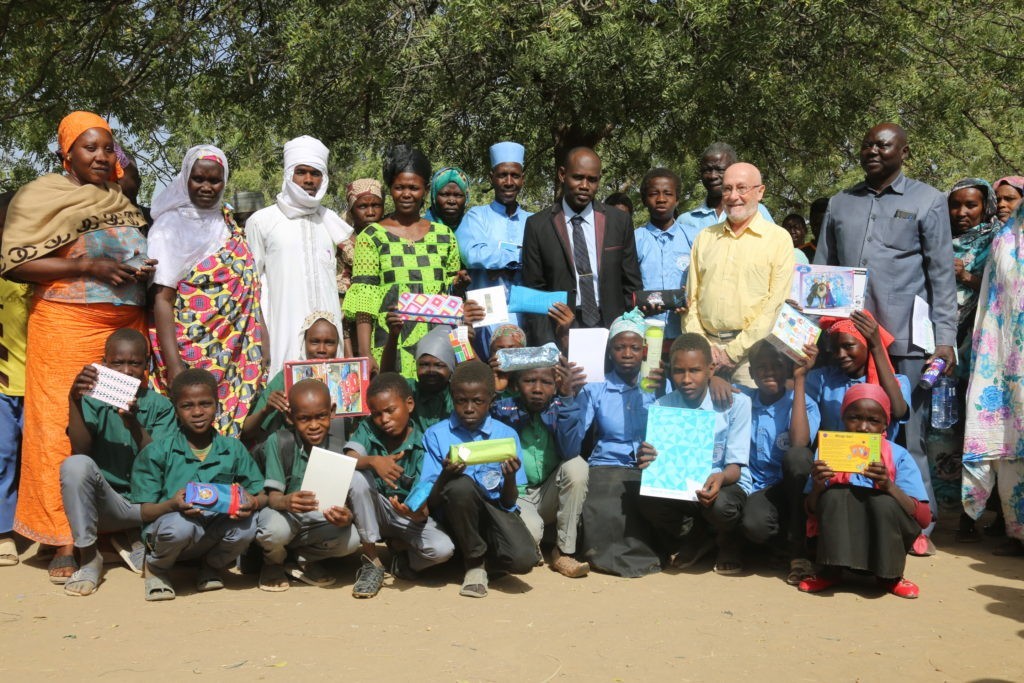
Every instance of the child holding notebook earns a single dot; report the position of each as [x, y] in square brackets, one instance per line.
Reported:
[194, 452]
[292, 521]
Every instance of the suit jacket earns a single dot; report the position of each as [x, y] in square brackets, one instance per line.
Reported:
[548, 264]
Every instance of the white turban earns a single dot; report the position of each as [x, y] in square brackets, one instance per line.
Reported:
[294, 201]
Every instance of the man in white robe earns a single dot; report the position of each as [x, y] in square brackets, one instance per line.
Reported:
[295, 244]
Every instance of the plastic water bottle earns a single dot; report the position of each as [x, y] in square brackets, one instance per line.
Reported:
[944, 410]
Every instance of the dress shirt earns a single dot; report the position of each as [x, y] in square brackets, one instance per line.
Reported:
[664, 257]
[590, 233]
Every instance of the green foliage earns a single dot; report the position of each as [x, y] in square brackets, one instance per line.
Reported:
[792, 85]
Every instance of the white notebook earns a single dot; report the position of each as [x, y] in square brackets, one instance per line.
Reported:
[587, 349]
[113, 387]
[329, 476]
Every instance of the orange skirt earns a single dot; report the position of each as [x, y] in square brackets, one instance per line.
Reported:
[62, 339]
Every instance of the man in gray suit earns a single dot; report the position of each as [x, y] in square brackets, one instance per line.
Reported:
[898, 229]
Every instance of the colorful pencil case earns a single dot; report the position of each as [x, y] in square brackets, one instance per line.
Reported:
[481, 452]
[225, 498]
[526, 300]
[660, 298]
[436, 309]
[528, 358]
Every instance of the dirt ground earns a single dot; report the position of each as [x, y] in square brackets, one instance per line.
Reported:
[968, 625]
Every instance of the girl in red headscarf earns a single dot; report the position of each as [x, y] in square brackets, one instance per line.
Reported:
[867, 522]
[860, 355]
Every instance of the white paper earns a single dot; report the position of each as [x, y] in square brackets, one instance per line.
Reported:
[922, 334]
[587, 350]
[113, 387]
[494, 302]
[329, 476]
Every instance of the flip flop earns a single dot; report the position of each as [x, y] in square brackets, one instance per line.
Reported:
[8, 553]
[475, 583]
[311, 573]
[273, 578]
[158, 587]
[799, 569]
[209, 579]
[61, 562]
[84, 581]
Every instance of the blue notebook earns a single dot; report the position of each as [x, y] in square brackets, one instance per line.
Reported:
[526, 300]
[685, 441]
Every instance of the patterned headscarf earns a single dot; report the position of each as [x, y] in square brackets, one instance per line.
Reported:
[513, 331]
[448, 174]
[1014, 181]
[630, 321]
[833, 325]
[988, 194]
[360, 188]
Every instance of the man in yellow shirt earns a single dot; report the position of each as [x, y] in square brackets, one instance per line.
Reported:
[740, 274]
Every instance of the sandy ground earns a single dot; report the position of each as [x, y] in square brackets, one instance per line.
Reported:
[966, 626]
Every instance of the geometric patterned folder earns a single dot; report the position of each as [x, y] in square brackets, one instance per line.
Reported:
[436, 309]
[685, 441]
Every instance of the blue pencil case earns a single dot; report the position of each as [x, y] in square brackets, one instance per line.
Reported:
[417, 497]
[527, 300]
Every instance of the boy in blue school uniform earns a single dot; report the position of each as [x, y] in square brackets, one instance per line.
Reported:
[775, 498]
[477, 503]
[720, 501]
[105, 441]
[556, 483]
[390, 453]
[194, 452]
[292, 520]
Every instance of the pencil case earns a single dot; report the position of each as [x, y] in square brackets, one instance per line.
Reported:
[225, 498]
[528, 358]
[481, 452]
[419, 494]
[660, 298]
[436, 309]
[527, 300]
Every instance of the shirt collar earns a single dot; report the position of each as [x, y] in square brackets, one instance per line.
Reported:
[897, 186]
[414, 439]
[756, 226]
[499, 208]
[616, 383]
[671, 232]
[485, 428]
[180, 445]
[587, 213]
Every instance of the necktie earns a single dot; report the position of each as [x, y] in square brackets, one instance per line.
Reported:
[588, 298]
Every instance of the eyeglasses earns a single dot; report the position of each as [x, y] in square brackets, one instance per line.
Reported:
[741, 190]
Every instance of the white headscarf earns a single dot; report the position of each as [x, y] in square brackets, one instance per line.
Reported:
[294, 202]
[183, 235]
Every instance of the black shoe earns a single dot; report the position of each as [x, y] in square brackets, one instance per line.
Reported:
[400, 568]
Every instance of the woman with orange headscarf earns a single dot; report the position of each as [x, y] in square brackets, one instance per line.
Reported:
[74, 236]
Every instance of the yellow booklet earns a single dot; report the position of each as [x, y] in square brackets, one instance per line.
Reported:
[849, 451]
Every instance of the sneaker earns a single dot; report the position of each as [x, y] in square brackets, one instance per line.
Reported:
[131, 550]
[816, 584]
[566, 565]
[902, 588]
[369, 579]
[400, 568]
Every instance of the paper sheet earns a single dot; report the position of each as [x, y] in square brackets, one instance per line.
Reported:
[685, 441]
[922, 334]
[113, 387]
[587, 349]
[494, 302]
[329, 476]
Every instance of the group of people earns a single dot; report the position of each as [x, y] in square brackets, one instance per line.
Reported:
[204, 304]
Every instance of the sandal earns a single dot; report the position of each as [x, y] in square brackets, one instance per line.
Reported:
[799, 569]
[84, 581]
[8, 552]
[209, 579]
[158, 586]
[312, 573]
[474, 585]
[58, 563]
[273, 579]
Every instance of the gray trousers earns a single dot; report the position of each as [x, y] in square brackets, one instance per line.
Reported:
[376, 520]
[308, 534]
[915, 430]
[560, 500]
[91, 505]
[215, 537]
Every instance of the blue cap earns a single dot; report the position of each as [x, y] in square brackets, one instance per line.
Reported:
[505, 152]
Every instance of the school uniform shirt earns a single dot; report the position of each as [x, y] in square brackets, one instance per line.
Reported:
[274, 420]
[367, 440]
[541, 455]
[826, 386]
[664, 257]
[442, 436]
[908, 475]
[430, 408]
[620, 412]
[769, 435]
[291, 481]
[732, 433]
[164, 467]
[113, 448]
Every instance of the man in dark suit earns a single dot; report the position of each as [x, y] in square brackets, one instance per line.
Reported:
[580, 246]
